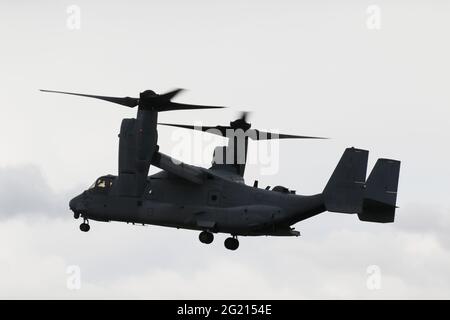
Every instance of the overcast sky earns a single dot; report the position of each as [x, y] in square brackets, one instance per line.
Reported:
[310, 67]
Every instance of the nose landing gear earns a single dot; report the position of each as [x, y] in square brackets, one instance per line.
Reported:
[232, 243]
[85, 226]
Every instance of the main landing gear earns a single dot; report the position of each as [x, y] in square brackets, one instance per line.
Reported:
[85, 226]
[206, 237]
[232, 243]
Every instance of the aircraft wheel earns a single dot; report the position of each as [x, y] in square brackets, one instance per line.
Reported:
[76, 215]
[206, 237]
[84, 227]
[231, 243]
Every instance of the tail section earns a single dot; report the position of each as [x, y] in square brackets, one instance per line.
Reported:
[344, 191]
[373, 200]
[380, 196]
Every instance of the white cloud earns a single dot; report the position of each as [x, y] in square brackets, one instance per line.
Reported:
[122, 261]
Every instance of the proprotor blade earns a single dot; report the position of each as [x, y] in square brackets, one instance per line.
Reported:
[125, 101]
[148, 100]
[262, 135]
[218, 130]
[162, 102]
[172, 94]
[252, 133]
[170, 106]
[244, 115]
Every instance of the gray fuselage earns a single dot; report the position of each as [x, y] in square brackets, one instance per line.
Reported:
[217, 205]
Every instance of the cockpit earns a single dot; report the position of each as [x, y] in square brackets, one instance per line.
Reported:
[102, 184]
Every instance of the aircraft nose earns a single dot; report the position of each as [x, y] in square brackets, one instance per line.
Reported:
[77, 204]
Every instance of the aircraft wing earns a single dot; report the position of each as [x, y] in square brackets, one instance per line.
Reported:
[178, 168]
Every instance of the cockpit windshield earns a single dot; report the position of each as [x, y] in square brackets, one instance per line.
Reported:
[102, 184]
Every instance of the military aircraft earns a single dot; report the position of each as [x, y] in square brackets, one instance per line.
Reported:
[216, 199]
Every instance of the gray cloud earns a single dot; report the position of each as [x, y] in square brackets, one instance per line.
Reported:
[117, 260]
[426, 219]
[124, 261]
[25, 191]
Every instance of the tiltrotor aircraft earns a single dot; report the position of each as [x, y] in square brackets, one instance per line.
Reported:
[216, 200]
